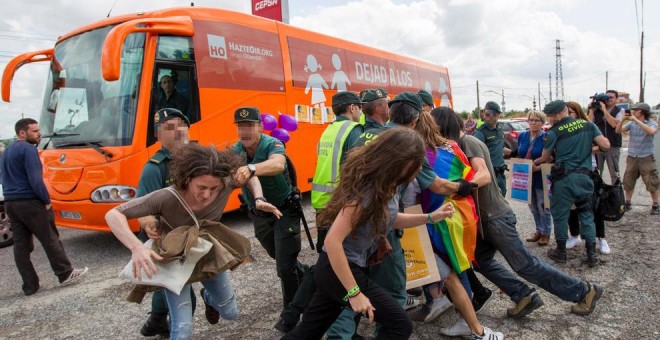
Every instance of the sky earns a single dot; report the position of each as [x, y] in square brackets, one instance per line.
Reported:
[505, 45]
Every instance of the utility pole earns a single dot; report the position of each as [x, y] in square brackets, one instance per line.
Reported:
[539, 95]
[503, 108]
[478, 105]
[641, 69]
[550, 85]
[607, 78]
[559, 74]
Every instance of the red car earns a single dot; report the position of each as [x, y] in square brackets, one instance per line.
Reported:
[512, 128]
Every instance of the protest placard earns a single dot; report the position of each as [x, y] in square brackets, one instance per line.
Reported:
[547, 184]
[520, 183]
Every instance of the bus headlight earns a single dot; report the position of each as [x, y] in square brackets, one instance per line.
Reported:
[113, 193]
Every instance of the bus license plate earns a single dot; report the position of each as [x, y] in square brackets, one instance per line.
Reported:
[71, 215]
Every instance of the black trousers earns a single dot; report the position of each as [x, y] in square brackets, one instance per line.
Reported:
[327, 303]
[30, 218]
[574, 224]
[281, 239]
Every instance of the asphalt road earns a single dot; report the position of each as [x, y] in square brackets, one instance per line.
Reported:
[95, 308]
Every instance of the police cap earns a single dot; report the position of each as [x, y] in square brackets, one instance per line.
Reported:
[370, 95]
[426, 97]
[554, 107]
[168, 113]
[345, 98]
[493, 106]
[410, 98]
[247, 114]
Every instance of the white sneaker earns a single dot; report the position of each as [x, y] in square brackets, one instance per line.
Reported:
[460, 328]
[573, 241]
[411, 302]
[604, 247]
[488, 335]
[438, 307]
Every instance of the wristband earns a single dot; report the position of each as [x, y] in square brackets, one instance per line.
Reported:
[260, 198]
[352, 293]
[429, 220]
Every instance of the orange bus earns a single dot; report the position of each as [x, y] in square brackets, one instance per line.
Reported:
[104, 87]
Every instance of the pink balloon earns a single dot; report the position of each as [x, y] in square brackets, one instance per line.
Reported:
[281, 134]
[288, 123]
[269, 121]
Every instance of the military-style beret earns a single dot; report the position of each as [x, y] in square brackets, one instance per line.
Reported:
[370, 95]
[426, 97]
[410, 98]
[554, 107]
[493, 106]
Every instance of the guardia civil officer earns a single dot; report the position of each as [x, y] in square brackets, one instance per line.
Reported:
[571, 140]
[171, 127]
[492, 135]
[375, 108]
[280, 236]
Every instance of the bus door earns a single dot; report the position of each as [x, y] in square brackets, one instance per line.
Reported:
[174, 82]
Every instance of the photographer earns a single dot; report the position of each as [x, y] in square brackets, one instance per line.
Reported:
[640, 160]
[606, 115]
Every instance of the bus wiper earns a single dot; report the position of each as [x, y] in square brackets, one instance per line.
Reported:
[57, 135]
[94, 145]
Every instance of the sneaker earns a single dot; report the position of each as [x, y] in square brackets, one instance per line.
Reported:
[573, 241]
[418, 291]
[420, 314]
[488, 335]
[603, 246]
[480, 301]
[156, 324]
[75, 275]
[438, 307]
[627, 206]
[525, 306]
[655, 210]
[411, 302]
[460, 328]
[212, 315]
[587, 305]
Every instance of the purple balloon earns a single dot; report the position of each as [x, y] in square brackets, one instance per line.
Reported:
[288, 123]
[281, 134]
[269, 121]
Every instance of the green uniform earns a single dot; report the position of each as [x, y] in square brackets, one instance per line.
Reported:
[280, 237]
[571, 140]
[370, 123]
[493, 137]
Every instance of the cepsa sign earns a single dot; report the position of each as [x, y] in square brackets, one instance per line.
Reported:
[271, 9]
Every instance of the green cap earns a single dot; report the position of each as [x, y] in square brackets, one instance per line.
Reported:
[345, 98]
[410, 98]
[168, 113]
[247, 114]
[493, 106]
[370, 95]
[554, 107]
[426, 97]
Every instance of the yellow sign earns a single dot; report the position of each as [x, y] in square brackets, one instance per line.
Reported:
[421, 268]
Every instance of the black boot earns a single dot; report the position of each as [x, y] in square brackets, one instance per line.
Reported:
[156, 324]
[592, 258]
[558, 254]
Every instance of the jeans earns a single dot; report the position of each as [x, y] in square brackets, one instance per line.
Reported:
[611, 157]
[30, 218]
[500, 234]
[390, 274]
[328, 302]
[542, 216]
[219, 294]
[281, 239]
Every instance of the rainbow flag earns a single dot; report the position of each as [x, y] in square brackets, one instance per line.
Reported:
[454, 238]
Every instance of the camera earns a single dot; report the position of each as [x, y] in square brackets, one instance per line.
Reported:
[596, 98]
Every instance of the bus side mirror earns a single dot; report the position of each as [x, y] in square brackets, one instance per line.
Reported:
[112, 46]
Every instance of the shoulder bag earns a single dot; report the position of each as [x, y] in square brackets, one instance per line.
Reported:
[181, 249]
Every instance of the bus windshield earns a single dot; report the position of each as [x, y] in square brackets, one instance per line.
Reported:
[79, 106]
